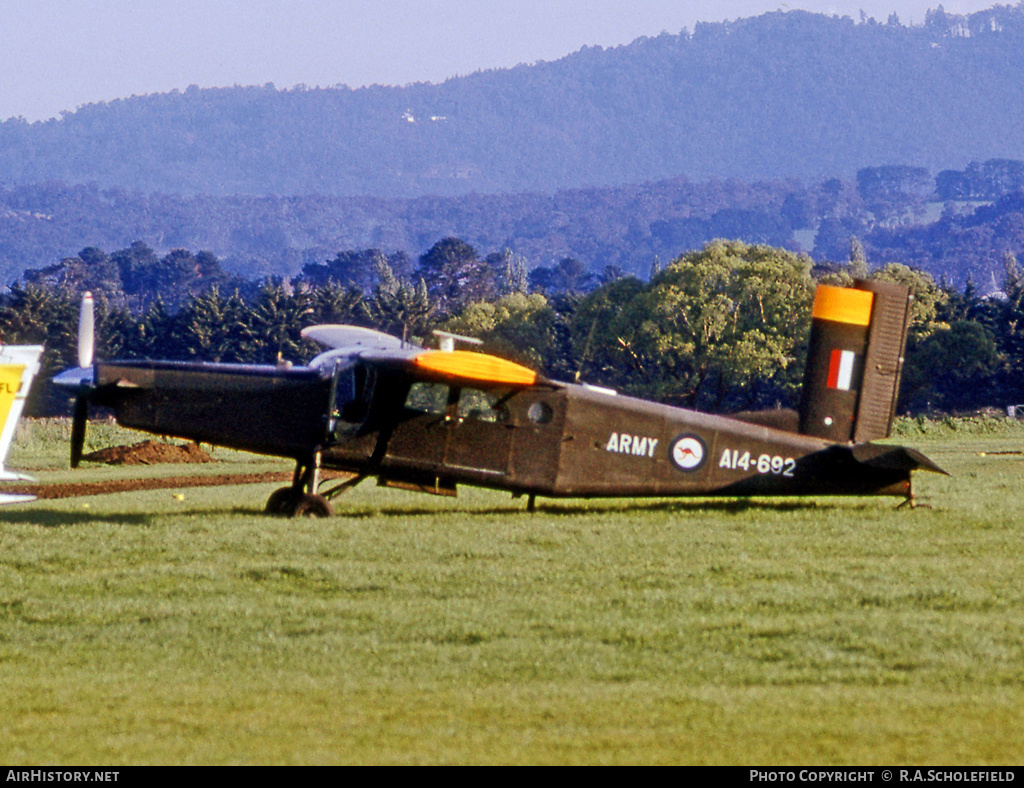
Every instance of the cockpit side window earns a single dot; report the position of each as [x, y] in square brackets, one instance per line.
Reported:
[351, 395]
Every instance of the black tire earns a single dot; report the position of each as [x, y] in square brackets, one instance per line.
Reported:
[312, 506]
[283, 501]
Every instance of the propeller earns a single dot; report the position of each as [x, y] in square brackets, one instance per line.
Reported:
[86, 329]
[86, 344]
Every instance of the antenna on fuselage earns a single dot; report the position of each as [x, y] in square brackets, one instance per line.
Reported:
[446, 340]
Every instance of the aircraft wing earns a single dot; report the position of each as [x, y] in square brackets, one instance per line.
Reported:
[379, 349]
[353, 338]
[346, 343]
[455, 366]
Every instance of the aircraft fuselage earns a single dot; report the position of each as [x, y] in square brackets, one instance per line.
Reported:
[558, 441]
[576, 441]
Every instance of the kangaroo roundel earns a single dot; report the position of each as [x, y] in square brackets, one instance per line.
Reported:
[687, 452]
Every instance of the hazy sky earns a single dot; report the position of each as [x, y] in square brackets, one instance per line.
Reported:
[56, 55]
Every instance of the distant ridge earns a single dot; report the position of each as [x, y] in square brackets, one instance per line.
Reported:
[781, 95]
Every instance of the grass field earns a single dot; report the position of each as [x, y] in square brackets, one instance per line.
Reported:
[149, 628]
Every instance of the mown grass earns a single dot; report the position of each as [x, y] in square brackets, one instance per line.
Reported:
[141, 628]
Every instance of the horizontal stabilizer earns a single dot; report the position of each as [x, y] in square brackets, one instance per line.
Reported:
[778, 418]
[894, 458]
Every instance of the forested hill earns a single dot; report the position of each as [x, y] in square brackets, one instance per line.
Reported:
[781, 95]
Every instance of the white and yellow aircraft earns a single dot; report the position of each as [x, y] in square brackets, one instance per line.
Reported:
[18, 365]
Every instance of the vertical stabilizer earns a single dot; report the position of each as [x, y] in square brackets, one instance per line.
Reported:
[854, 362]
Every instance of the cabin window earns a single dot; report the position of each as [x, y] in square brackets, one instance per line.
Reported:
[465, 404]
[540, 413]
[480, 405]
[429, 397]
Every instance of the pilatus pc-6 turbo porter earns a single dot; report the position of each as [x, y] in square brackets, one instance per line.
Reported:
[429, 420]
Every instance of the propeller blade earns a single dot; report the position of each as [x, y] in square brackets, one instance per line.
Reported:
[78, 429]
[86, 327]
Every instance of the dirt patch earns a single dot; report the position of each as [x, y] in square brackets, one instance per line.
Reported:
[74, 490]
[149, 453]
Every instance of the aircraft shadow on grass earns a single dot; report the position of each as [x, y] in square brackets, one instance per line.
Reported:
[47, 518]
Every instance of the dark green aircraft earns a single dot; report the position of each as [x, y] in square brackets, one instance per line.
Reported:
[424, 419]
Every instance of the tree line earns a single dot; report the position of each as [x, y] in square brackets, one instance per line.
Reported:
[720, 329]
[956, 225]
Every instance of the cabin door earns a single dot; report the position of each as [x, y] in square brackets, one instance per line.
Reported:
[479, 432]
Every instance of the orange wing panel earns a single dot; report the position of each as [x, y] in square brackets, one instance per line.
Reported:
[478, 367]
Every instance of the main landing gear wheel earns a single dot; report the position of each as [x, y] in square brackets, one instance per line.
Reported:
[283, 501]
[312, 506]
[301, 499]
[290, 502]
